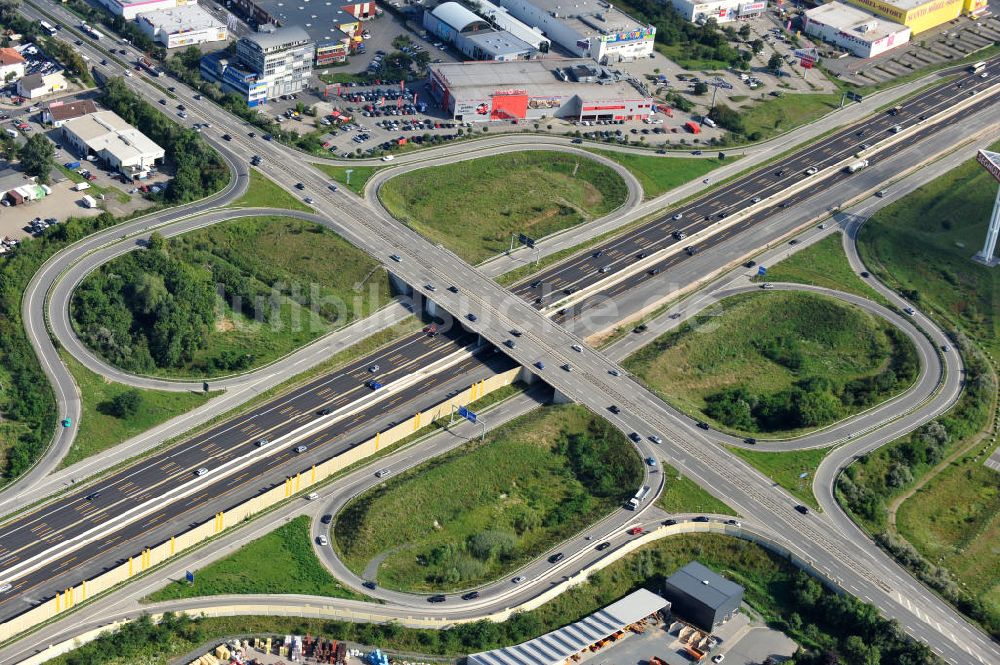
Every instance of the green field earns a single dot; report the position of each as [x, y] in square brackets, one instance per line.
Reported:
[683, 495]
[360, 175]
[921, 245]
[157, 311]
[99, 430]
[777, 362]
[282, 561]
[473, 207]
[794, 470]
[264, 193]
[822, 264]
[821, 621]
[775, 115]
[659, 175]
[481, 511]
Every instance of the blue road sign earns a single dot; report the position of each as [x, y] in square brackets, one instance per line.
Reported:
[468, 415]
[761, 270]
[189, 576]
[525, 240]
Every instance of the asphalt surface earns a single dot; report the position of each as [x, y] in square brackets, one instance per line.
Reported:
[589, 384]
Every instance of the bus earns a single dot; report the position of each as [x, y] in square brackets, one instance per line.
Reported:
[639, 497]
[973, 69]
[49, 28]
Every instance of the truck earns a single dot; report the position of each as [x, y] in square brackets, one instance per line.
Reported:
[639, 497]
[976, 68]
[896, 110]
[72, 165]
[90, 30]
[147, 64]
[856, 166]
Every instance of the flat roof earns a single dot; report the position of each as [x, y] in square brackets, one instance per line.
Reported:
[507, 21]
[321, 19]
[849, 19]
[182, 18]
[707, 586]
[480, 80]
[106, 130]
[557, 647]
[907, 5]
[586, 16]
[499, 43]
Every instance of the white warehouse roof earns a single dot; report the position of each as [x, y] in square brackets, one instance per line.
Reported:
[106, 130]
[181, 19]
[557, 647]
[456, 15]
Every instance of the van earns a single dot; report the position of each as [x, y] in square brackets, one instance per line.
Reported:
[10, 132]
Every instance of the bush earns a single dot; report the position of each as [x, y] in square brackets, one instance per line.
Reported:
[126, 404]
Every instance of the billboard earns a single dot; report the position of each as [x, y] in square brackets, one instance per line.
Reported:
[990, 161]
[752, 8]
[471, 107]
[641, 34]
[545, 102]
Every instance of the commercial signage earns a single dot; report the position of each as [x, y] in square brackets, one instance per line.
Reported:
[545, 102]
[472, 107]
[509, 92]
[752, 8]
[990, 161]
[642, 34]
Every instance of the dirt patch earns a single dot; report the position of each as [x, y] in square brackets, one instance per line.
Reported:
[225, 324]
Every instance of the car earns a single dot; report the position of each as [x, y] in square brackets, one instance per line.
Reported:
[326, 519]
[388, 158]
[510, 344]
[332, 187]
[755, 199]
[472, 595]
[368, 584]
[267, 137]
[540, 365]
[865, 273]
[430, 287]
[567, 367]
[909, 311]
[308, 200]
[440, 598]
[603, 546]
[301, 449]
[651, 461]
[641, 328]
[182, 114]
[802, 509]
[299, 186]
[750, 441]
[453, 289]
[93, 496]
[396, 258]
[322, 541]
[945, 348]
[67, 422]
[635, 531]
[733, 523]
[252, 134]
[880, 193]
[678, 216]
[641, 255]
[635, 437]
[767, 285]
[577, 141]
[382, 473]
[614, 372]
[615, 409]
[812, 170]
[516, 333]
[536, 284]
[227, 137]
[556, 558]
[471, 317]
[373, 368]
[718, 659]
[577, 348]
[262, 442]
[78, 42]
[701, 518]
[702, 425]
[519, 579]
[655, 439]
[201, 472]
[163, 102]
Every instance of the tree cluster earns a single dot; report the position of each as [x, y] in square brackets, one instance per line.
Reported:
[694, 42]
[37, 157]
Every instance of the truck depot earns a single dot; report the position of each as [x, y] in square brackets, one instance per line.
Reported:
[571, 89]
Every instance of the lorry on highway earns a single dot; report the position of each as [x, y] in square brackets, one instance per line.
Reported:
[976, 68]
[147, 64]
[90, 30]
[639, 497]
[856, 166]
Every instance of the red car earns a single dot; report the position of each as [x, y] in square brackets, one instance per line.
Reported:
[635, 531]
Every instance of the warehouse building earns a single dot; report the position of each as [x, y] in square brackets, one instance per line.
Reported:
[723, 11]
[566, 644]
[182, 26]
[575, 89]
[919, 15]
[587, 28]
[502, 20]
[118, 144]
[702, 597]
[473, 35]
[130, 9]
[854, 30]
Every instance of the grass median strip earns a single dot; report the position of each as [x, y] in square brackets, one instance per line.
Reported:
[659, 175]
[683, 495]
[794, 469]
[265, 193]
[353, 177]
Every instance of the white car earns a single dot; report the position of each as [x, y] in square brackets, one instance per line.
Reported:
[4, 588]
[312, 496]
[519, 579]
[577, 348]
[718, 659]
[201, 472]
[323, 542]
[388, 158]
[678, 216]
[382, 473]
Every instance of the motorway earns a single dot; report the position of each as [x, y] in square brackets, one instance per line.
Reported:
[589, 383]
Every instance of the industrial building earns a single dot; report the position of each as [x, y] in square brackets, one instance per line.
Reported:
[267, 65]
[854, 30]
[586, 28]
[182, 26]
[335, 29]
[501, 18]
[921, 15]
[474, 36]
[575, 89]
[565, 644]
[11, 65]
[723, 11]
[58, 113]
[118, 144]
[129, 9]
[702, 597]
[38, 84]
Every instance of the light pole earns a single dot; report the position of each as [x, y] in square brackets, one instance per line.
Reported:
[348, 172]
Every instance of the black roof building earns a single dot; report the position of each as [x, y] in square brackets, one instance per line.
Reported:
[701, 597]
